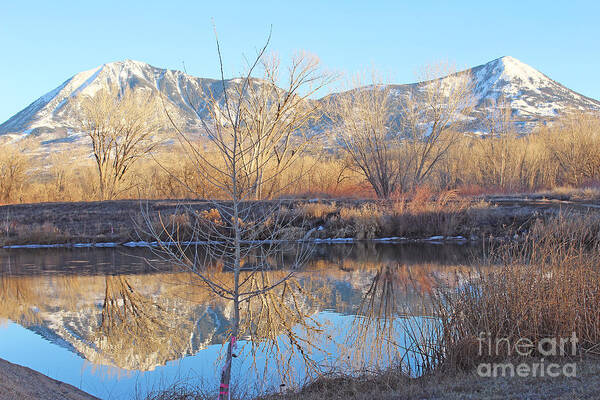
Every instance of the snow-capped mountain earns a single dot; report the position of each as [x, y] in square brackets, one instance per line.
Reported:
[54, 118]
[532, 96]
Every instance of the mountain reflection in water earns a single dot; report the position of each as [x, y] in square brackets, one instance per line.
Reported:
[111, 308]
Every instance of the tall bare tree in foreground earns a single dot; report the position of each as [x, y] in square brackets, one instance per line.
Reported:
[255, 132]
[121, 127]
[363, 116]
[274, 119]
[431, 113]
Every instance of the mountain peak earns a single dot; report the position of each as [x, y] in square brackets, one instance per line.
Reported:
[508, 60]
[511, 70]
[516, 68]
[532, 96]
[127, 63]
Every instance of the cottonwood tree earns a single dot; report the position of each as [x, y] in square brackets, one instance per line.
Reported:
[254, 133]
[121, 127]
[431, 112]
[500, 162]
[14, 167]
[573, 142]
[363, 118]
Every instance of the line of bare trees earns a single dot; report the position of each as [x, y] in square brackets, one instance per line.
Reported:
[400, 152]
[560, 154]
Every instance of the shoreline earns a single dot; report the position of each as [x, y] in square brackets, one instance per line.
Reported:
[120, 223]
[23, 383]
[389, 385]
[437, 240]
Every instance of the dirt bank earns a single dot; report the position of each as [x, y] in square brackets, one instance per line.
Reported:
[21, 383]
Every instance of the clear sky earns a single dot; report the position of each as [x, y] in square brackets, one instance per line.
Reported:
[43, 43]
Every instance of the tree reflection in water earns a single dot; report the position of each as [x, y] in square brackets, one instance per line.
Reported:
[389, 330]
[134, 326]
[137, 322]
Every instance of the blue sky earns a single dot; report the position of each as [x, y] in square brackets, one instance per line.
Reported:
[43, 43]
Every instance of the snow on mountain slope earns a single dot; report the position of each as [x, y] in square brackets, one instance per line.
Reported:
[53, 118]
[56, 114]
[532, 95]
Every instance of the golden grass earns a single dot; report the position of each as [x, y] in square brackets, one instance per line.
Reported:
[39, 233]
[317, 209]
[547, 286]
[586, 193]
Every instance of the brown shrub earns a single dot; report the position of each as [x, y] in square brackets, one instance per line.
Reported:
[317, 209]
[45, 233]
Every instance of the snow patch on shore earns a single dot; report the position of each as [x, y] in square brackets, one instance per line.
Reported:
[394, 239]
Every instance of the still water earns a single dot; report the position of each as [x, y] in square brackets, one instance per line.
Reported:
[119, 323]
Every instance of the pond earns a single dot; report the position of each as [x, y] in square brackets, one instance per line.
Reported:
[119, 323]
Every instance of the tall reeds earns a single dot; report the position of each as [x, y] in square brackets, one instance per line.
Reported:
[547, 286]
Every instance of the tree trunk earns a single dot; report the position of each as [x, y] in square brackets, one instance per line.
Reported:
[224, 390]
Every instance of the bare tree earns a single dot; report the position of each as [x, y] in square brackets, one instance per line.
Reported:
[254, 133]
[14, 166]
[573, 144]
[363, 116]
[121, 127]
[431, 113]
[501, 163]
[274, 118]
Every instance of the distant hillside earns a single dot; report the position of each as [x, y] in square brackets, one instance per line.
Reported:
[53, 118]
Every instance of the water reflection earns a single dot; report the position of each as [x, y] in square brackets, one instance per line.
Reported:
[111, 308]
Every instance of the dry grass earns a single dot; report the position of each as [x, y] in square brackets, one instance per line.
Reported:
[180, 391]
[587, 193]
[39, 233]
[424, 214]
[547, 286]
[393, 385]
[365, 220]
[565, 153]
[421, 216]
[318, 209]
